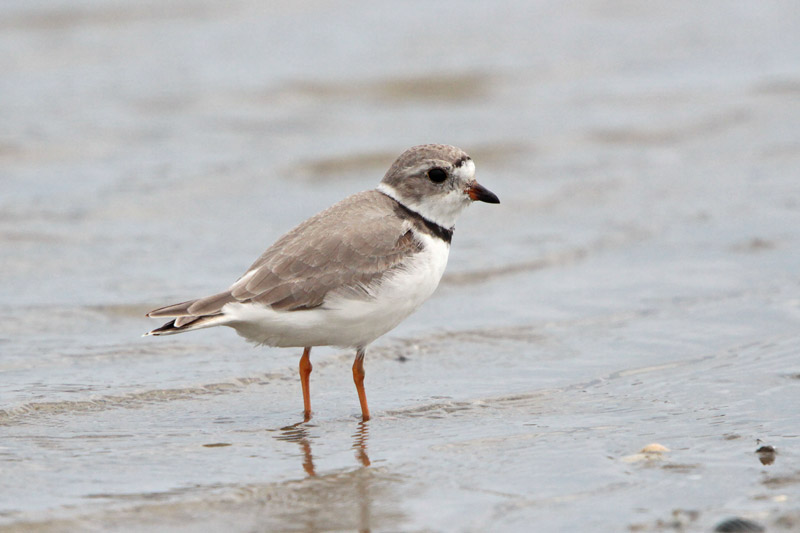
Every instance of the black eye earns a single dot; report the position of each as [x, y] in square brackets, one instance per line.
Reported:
[437, 175]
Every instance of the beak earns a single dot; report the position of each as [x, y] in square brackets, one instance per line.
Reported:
[478, 192]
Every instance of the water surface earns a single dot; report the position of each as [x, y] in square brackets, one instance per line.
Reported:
[638, 284]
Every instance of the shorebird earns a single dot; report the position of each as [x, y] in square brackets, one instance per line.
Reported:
[351, 273]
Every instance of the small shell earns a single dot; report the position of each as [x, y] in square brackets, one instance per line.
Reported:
[651, 452]
[654, 448]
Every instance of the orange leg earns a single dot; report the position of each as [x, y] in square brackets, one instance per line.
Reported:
[305, 372]
[358, 378]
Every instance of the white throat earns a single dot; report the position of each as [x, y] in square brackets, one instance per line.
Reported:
[440, 209]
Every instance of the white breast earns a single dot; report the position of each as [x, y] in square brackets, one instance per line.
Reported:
[349, 322]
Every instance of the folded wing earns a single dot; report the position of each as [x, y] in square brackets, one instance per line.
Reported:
[343, 250]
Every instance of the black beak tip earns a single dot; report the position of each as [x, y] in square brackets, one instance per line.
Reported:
[491, 198]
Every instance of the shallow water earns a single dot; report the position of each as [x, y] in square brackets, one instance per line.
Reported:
[638, 284]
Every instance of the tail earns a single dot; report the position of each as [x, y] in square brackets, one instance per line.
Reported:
[198, 322]
[185, 320]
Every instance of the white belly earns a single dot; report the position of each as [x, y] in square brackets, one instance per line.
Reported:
[348, 322]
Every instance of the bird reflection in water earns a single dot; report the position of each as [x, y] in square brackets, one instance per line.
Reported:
[300, 434]
[340, 494]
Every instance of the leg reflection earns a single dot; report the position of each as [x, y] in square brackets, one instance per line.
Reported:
[360, 438]
[299, 433]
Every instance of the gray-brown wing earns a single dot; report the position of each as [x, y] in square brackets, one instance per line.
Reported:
[342, 249]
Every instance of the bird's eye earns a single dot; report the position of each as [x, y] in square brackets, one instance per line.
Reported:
[437, 175]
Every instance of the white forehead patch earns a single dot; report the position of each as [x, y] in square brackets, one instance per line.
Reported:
[466, 171]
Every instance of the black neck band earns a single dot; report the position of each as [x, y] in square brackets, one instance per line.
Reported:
[432, 228]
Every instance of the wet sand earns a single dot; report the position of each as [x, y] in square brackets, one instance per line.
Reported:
[637, 285]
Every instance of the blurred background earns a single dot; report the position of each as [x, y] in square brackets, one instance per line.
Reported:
[637, 284]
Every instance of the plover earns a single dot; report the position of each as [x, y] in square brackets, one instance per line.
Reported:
[352, 272]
